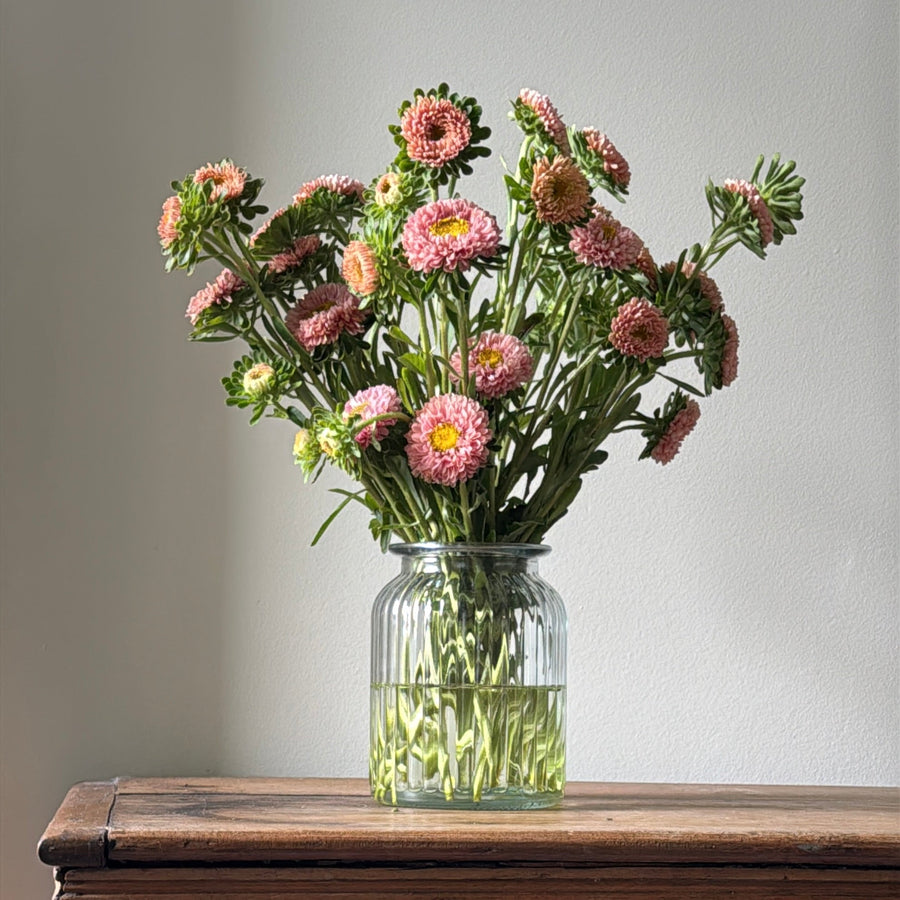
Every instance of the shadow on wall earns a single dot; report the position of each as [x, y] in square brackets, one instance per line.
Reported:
[114, 498]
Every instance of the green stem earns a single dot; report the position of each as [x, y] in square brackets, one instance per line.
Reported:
[541, 414]
[462, 338]
[424, 336]
[466, 513]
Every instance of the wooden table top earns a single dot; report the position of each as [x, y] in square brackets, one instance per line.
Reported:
[242, 820]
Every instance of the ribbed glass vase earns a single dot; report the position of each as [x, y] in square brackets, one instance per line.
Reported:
[468, 706]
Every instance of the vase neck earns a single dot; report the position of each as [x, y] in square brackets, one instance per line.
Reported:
[433, 557]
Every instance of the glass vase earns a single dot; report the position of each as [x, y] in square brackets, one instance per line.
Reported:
[468, 698]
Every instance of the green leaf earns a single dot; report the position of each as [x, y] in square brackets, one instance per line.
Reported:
[324, 527]
[412, 361]
[297, 417]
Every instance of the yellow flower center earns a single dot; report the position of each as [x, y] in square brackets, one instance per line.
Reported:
[444, 437]
[453, 226]
[489, 357]
[609, 231]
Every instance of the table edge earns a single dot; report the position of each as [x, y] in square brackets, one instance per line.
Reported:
[79, 833]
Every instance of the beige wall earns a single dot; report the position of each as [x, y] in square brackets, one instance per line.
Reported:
[734, 615]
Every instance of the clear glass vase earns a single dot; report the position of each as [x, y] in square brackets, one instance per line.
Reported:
[468, 705]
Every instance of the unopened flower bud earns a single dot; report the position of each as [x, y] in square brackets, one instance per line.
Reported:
[329, 442]
[387, 190]
[259, 380]
[302, 441]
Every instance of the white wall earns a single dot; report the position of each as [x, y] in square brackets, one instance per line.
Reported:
[734, 616]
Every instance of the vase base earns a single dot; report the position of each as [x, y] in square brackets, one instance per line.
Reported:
[507, 800]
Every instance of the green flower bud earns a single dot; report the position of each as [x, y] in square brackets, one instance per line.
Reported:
[259, 380]
[302, 440]
[329, 442]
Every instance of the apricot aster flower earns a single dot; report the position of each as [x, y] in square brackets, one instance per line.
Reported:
[730, 353]
[360, 269]
[614, 163]
[336, 184]
[228, 180]
[447, 441]
[559, 190]
[500, 363]
[369, 402]
[323, 314]
[757, 206]
[549, 117]
[435, 131]
[168, 223]
[217, 292]
[639, 329]
[448, 234]
[679, 428]
[605, 242]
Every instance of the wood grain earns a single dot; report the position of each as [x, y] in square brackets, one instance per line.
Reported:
[77, 834]
[523, 882]
[297, 820]
[274, 838]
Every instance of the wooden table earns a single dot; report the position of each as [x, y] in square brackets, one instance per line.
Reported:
[279, 838]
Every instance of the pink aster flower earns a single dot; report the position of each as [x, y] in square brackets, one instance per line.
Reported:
[708, 288]
[203, 299]
[448, 234]
[298, 251]
[321, 316]
[167, 229]
[228, 180]
[499, 363]
[645, 264]
[679, 428]
[337, 184]
[218, 292]
[435, 131]
[559, 190]
[373, 401]
[757, 206]
[550, 118]
[730, 353]
[360, 269]
[605, 242]
[614, 163]
[447, 441]
[639, 329]
[265, 226]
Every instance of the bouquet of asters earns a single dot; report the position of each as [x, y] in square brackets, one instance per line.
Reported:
[465, 377]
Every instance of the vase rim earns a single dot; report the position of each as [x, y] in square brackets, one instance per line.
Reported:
[430, 548]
